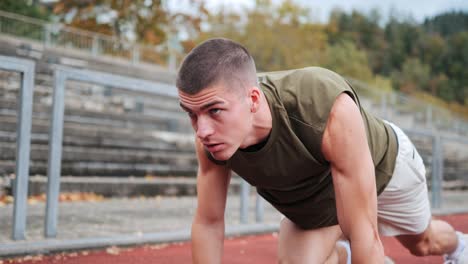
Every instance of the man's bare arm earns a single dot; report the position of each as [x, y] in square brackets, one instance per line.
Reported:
[345, 146]
[208, 223]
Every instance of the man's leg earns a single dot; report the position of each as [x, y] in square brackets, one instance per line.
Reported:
[404, 209]
[439, 238]
[309, 246]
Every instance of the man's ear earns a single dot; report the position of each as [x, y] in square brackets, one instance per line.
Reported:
[254, 96]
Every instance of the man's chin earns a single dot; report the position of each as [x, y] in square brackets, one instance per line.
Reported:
[221, 155]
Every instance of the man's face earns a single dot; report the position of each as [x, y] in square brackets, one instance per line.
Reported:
[221, 119]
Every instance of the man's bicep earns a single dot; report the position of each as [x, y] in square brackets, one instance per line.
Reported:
[344, 142]
[212, 187]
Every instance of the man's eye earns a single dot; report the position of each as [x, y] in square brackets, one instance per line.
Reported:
[215, 111]
[191, 115]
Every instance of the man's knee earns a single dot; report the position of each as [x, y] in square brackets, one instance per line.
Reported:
[296, 245]
[289, 258]
[283, 259]
[420, 249]
[292, 258]
[418, 245]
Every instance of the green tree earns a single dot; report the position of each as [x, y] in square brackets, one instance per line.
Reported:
[402, 42]
[361, 29]
[455, 61]
[346, 59]
[25, 8]
[414, 76]
[278, 36]
[140, 19]
[432, 49]
[447, 24]
[144, 21]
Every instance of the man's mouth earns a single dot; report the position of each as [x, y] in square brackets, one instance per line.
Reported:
[214, 147]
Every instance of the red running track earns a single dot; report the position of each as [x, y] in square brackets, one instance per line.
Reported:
[240, 250]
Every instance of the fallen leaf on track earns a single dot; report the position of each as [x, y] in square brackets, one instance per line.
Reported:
[113, 250]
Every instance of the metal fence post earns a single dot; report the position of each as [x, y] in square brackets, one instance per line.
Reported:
[429, 117]
[383, 106]
[259, 209]
[23, 135]
[172, 60]
[55, 155]
[244, 202]
[95, 46]
[437, 170]
[135, 54]
[46, 33]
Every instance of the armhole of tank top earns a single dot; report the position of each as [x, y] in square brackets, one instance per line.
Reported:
[352, 93]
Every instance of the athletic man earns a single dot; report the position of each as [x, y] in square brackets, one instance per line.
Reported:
[302, 138]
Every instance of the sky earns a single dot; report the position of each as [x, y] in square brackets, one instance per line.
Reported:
[320, 9]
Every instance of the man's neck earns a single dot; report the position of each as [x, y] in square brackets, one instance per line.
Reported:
[262, 123]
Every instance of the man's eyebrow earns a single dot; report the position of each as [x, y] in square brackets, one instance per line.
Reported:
[208, 105]
[184, 107]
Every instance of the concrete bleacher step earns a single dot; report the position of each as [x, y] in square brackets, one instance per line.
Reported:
[155, 106]
[103, 154]
[162, 119]
[110, 160]
[41, 124]
[87, 136]
[125, 186]
[7, 167]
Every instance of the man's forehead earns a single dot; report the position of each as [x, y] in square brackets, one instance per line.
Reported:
[201, 100]
[211, 91]
[201, 95]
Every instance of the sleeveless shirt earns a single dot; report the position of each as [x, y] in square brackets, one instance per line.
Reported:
[290, 171]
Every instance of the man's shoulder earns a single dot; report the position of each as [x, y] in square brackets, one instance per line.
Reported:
[305, 82]
[307, 94]
[308, 72]
[303, 86]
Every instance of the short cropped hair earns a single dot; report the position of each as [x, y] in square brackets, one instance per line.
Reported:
[214, 61]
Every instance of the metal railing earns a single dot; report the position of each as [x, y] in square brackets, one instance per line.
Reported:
[91, 43]
[26, 69]
[62, 74]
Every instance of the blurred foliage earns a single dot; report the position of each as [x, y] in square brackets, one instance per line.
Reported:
[144, 21]
[447, 24]
[26, 8]
[346, 59]
[122, 18]
[278, 37]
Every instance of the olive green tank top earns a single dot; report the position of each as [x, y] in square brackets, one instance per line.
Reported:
[290, 171]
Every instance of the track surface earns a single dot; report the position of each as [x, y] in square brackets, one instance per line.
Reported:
[249, 249]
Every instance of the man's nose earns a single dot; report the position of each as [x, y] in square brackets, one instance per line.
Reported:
[204, 128]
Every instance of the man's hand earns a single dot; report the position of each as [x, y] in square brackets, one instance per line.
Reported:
[345, 146]
[208, 223]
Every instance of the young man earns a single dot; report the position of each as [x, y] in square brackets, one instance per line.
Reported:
[302, 138]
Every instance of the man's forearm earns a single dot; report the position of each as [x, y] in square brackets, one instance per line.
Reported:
[207, 242]
[367, 249]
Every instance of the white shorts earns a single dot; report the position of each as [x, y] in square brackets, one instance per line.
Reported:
[403, 206]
